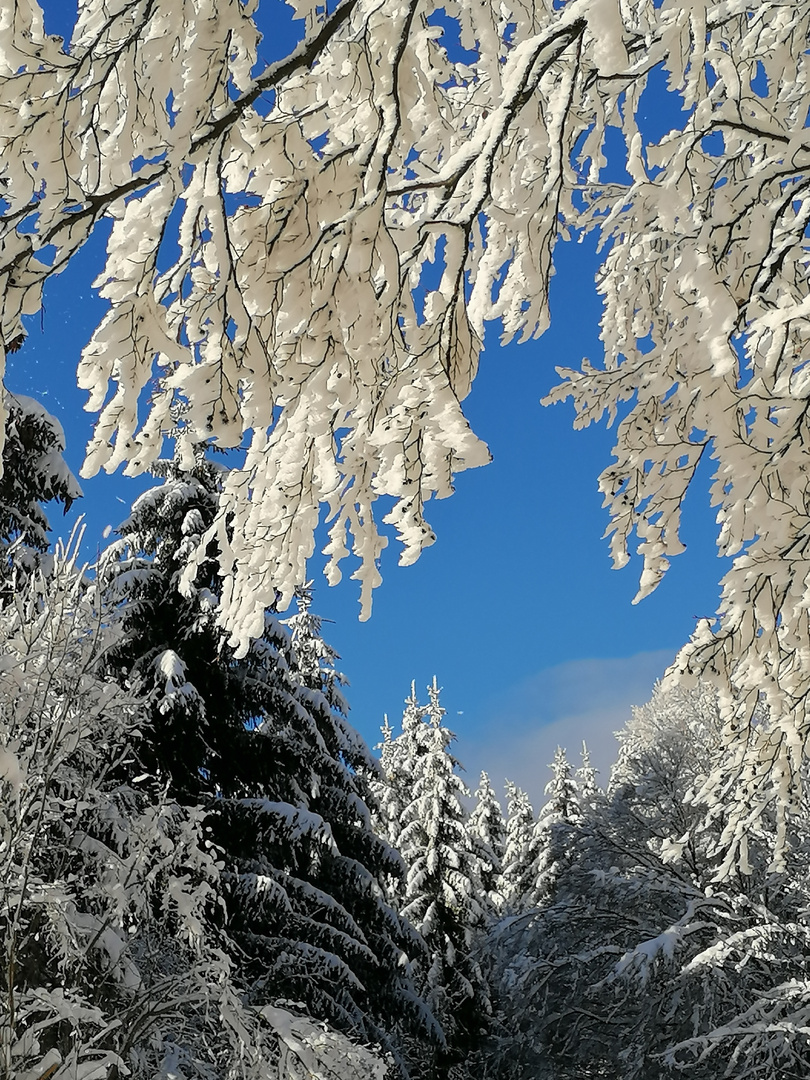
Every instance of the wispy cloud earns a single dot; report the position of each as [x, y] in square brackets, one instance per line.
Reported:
[559, 706]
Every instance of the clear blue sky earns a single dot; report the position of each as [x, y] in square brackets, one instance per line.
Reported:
[515, 608]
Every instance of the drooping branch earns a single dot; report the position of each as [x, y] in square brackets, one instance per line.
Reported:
[303, 262]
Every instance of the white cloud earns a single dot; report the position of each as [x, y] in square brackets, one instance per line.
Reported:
[560, 706]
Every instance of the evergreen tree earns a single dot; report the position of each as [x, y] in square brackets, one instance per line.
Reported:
[522, 852]
[441, 897]
[259, 740]
[562, 803]
[315, 661]
[393, 788]
[589, 790]
[34, 472]
[389, 791]
[486, 829]
[560, 812]
[114, 962]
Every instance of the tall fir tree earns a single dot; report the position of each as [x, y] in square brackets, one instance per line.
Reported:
[441, 896]
[34, 472]
[557, 817]
[388, 792]
[586, 774]
[260, 741]
[314, 659]
[393, 788]
[487, 832]
[522, 852]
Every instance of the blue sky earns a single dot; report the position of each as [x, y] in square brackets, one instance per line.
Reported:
[515, 609]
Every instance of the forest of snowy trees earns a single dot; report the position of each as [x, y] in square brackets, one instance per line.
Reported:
[206, 873]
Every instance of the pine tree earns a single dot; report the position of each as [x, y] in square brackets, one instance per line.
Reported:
[441, 896]
[522, 852]
[315, 660]
[115, 961]
[259, 740]
[388, 794]
[34, 472]
[561, 811]
[589, 790]
[393, 789]
[563, 796]
[487, 831]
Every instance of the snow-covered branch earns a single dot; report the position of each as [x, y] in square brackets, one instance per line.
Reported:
[304, 256]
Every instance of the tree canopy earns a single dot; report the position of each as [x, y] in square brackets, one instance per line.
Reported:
[304, 255]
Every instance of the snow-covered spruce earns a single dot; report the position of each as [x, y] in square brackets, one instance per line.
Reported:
[113, 960]
[487, 832]
[34, 472]
[393, 788]
[442, 894]
[522, 852]
[561, 810]
[586, 774]
[259, 741]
